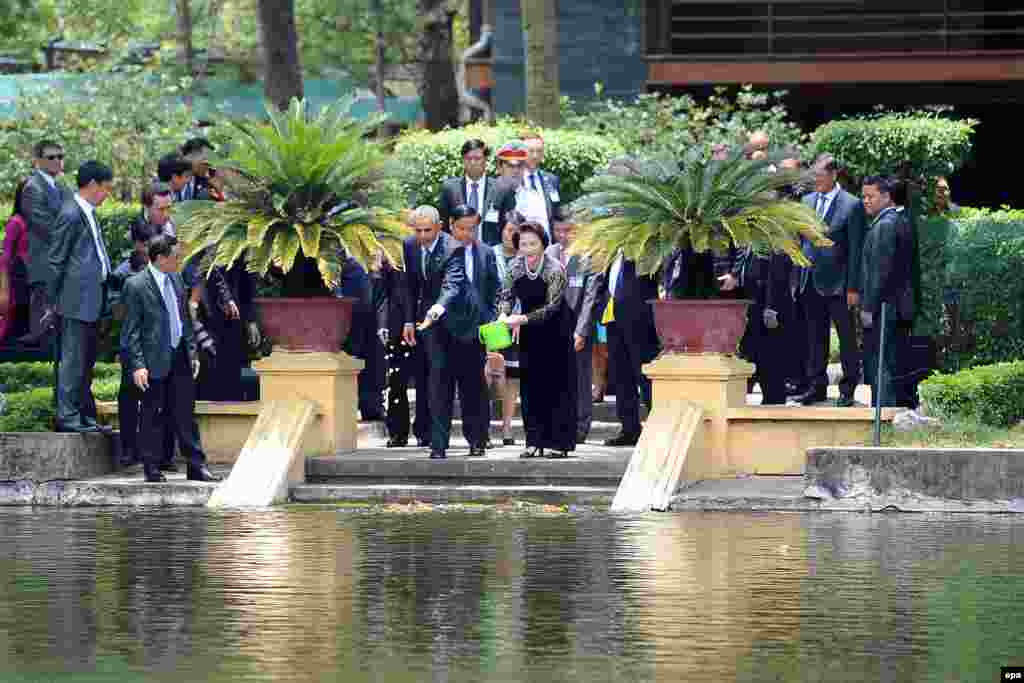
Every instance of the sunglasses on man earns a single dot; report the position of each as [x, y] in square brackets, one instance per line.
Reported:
[54, 157]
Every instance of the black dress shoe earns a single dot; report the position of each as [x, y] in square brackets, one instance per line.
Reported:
[202, 474]
[93, 424]
[556, 455]
[422, 443]
[844, 401]
[76, 429]
[508, 441]
[810, 397]
[437, 455]
[477, 452]
[168, 467]
[533, 452]
[155, 477]
[581, 438]
[623, 439]
[397, 443]
[488, 444]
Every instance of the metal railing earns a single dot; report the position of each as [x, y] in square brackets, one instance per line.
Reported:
[724, 29]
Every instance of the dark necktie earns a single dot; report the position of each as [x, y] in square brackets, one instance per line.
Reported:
[474, 197]
[533, 182]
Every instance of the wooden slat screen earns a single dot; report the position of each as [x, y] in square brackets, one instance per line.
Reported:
[716, 29]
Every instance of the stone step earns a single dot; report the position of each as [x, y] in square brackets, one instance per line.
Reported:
[603, 411]
[590, 465]
[373, 434]
[376, 494]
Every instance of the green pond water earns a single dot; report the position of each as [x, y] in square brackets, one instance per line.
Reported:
[338, 595]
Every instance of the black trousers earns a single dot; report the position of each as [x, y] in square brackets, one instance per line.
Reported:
[629, 379]
[821, 312]
[439, 347]
[170, 400]
[77, 347]
[895, 387]
[467, 363]
[129, 403]
[795, 358]
[221, 380]
[768, 350]
[405, 363]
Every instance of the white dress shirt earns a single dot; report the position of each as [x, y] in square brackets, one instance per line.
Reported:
[174, 311]
[50, 180]
[469, 262]
[830, 197]
[532, 205]
[89, 211]
[613, 274]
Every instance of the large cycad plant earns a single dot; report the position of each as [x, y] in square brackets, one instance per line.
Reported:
[654, 207]
[301, 188]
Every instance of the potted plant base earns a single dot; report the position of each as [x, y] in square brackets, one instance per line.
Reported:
[306, 324]
[700, 325]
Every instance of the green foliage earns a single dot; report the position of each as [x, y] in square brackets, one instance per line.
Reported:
[127, 120]
[18, 377]
[116, 219]
[985, 257]
[932, 239]
[655, 124]
[286, 178]
[31, 410]
[425, 159]
[700, 203]
[990, 394]
[922, 144]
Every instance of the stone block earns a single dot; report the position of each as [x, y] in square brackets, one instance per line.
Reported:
[272, 458]
[44, 456]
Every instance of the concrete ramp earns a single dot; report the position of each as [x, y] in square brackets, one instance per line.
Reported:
[271, 459]
[658, 460]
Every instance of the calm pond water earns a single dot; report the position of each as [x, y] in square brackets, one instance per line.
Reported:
[314, 594]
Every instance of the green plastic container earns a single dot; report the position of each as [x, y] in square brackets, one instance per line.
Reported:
[495, 336]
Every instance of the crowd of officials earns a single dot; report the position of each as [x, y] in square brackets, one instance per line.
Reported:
[495, 247]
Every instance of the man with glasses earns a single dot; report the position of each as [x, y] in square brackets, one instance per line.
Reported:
[41, 201]
[476, 189]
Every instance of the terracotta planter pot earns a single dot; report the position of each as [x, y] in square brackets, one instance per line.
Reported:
[315, 324]
[700, 325]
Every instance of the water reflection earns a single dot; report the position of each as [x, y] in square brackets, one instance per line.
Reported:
[314, 594]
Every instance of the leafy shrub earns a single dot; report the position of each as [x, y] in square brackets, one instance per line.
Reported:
[18, 377]
[990, 394]
[32, 410]
[127, 119]
[654, 124]
[932, 235]
[985, 257]
[883, 143]
[425, 160]
[116, 219]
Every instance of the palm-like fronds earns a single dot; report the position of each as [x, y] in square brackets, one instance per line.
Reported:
[702, 204]
[299, 182]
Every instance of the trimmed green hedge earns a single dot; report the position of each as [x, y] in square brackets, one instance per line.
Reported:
[990, 394]
[424, 159]
[32, 410]
[18, 377]
[934, 146]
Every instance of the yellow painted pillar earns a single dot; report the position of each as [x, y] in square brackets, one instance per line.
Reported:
[326, 379]
[715, 382]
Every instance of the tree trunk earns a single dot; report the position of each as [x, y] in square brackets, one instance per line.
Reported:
[438, 93]
[281, 66]
[540, 30]
[183, 19]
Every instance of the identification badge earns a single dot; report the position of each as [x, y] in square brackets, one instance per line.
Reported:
[554, 197]
[576, 281]
[491, 217]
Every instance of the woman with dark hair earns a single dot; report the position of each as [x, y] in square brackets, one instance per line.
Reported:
[502, 369]
[544, 329]
[14, 313]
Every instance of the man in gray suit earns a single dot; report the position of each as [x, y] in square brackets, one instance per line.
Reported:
[581, 296]
[829, 290]
[41, 201]
[159, 348]
[77, 289]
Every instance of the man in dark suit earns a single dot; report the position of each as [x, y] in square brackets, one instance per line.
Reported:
[474, 188]
[196, 151]
[77, 288]
[158, 345]
[632, 341]
[829, 290]
[581, 297]
[41, 201]
[362, 341]
[155, 217]
[404, 362]
[481, 306]
[887, 278]
[435, 283]
[544, 184]
[174, 170]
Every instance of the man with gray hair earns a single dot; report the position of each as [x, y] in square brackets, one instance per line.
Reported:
[435, 282]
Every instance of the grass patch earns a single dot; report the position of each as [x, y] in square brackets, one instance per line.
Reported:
[956, 434]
